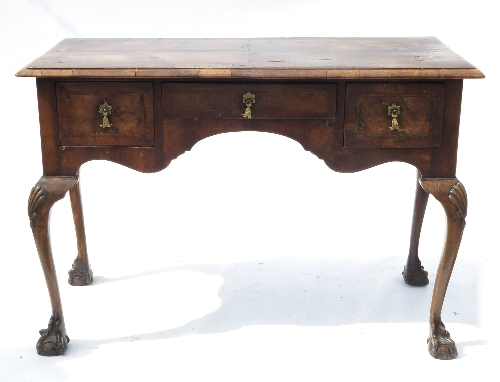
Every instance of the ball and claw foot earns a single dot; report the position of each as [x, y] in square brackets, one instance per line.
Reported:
[53, 340]
[418, 278]
[440, 345]
[80, 274]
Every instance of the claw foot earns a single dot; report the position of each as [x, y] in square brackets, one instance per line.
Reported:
[53, 340]
[417, 278]
[80, 274]
[440, 345]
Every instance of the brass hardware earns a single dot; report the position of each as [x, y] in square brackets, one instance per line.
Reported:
[394, 110]
[248, 99]
[105, 110]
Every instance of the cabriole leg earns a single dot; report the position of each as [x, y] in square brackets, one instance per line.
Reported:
[414, 273]
[80, 274]
[53, 340]
[452, 196]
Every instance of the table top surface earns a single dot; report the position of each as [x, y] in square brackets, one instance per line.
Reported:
[300, 58]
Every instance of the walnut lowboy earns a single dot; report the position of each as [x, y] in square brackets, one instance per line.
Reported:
[355, 103]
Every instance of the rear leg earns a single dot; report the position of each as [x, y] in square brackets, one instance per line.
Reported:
[80, 274]
[414, 273]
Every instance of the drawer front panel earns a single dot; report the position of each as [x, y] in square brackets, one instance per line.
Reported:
[131, 120]
[225, 101]
[368, 124]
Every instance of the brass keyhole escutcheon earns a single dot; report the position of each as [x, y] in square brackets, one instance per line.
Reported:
[394, 110]
[105, 109]
[248, 99]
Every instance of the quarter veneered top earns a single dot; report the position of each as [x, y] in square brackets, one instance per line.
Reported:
[303, 58]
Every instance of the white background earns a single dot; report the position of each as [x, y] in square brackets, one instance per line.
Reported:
[247, 258]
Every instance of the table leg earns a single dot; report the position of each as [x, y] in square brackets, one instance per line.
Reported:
[53, 340]
[81, 273]
[414, 273]
[451, 194]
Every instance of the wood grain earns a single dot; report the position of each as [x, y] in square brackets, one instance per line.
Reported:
[323, 58]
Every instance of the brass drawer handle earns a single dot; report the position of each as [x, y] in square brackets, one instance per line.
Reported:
[105, 110]
[248, 99]
[394, 110]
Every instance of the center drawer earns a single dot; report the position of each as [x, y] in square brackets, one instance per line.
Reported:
[269, 101]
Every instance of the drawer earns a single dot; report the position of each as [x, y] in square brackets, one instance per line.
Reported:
[225, 101]
[368, 124]
[81, 124]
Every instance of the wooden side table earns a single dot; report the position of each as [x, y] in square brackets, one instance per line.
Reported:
[354, 102]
